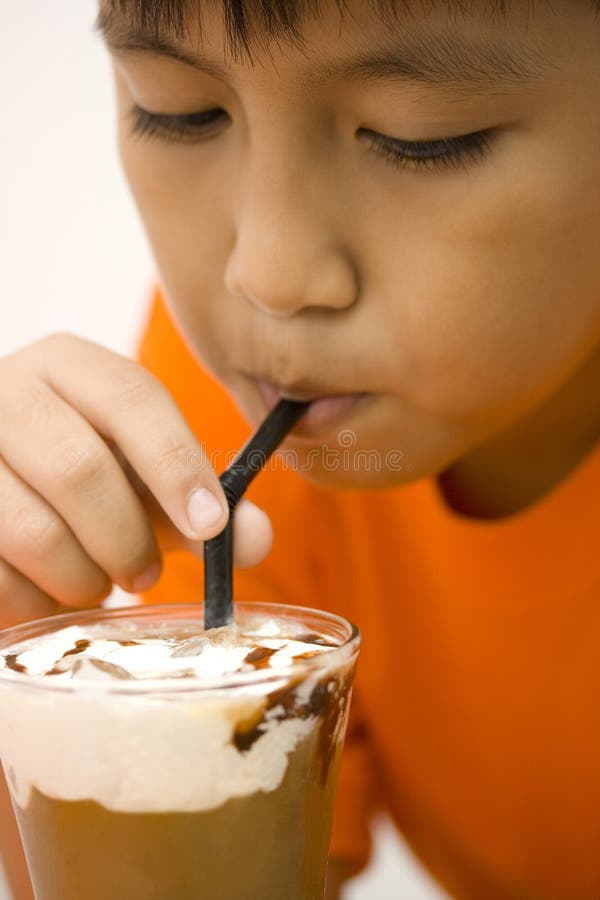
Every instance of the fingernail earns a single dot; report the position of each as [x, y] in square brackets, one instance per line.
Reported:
[147, 579]
[204, 511]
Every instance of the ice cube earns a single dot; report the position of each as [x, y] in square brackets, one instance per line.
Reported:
[91, 669]
[192, 647]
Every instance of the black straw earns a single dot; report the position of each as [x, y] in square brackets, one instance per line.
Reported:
[218, 552]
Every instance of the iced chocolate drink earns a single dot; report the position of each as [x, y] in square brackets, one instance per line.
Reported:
[148, 760]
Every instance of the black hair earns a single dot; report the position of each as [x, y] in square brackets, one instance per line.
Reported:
[246, 20]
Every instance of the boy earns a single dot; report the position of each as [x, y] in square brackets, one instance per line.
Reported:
[392, 210]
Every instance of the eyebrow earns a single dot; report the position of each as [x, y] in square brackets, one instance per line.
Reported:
[120, 37]
[431, 59]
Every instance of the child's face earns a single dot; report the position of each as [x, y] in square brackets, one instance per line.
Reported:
[458, 294]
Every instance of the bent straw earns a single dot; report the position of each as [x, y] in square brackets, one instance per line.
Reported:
[218, 552]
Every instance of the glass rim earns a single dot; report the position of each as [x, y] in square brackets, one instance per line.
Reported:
[344, 653]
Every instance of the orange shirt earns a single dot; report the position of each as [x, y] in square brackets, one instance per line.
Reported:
[476, 717]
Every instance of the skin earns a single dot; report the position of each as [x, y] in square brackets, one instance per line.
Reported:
[464, 300]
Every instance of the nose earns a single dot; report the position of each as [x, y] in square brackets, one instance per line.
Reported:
[287, 255]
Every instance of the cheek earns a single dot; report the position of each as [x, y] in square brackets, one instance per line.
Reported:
[182, 205]
[494, 296]
[186, 216]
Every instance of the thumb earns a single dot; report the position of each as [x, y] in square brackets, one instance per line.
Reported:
[252, 533]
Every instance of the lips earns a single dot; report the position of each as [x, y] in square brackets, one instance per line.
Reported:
[324, 412]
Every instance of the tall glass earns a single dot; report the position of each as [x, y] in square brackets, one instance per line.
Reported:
[178, 789]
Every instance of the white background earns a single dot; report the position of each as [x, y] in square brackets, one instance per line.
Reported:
[73, 256]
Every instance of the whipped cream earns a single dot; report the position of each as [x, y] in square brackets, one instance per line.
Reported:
[124, 651]
[223, 711]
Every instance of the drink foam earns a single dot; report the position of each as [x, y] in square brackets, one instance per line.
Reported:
[213, 704]
[129, 651]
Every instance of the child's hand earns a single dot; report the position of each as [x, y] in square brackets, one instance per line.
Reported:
[93, 449]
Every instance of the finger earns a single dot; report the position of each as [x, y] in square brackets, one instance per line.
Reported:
[20, 600]
[58, 453]
[37, 542]
[252, 533]
[127, 404]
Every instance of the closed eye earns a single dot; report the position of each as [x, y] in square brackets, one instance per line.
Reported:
[431, 154]
[416, 155]
[188, 126]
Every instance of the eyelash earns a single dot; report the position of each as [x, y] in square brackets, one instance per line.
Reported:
[444, 153]
[416, 155]
[175, 128]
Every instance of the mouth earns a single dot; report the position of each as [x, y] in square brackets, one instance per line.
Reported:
[326, 410]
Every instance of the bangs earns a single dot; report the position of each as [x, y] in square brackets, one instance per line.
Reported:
[258, 21]
[245, 21]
